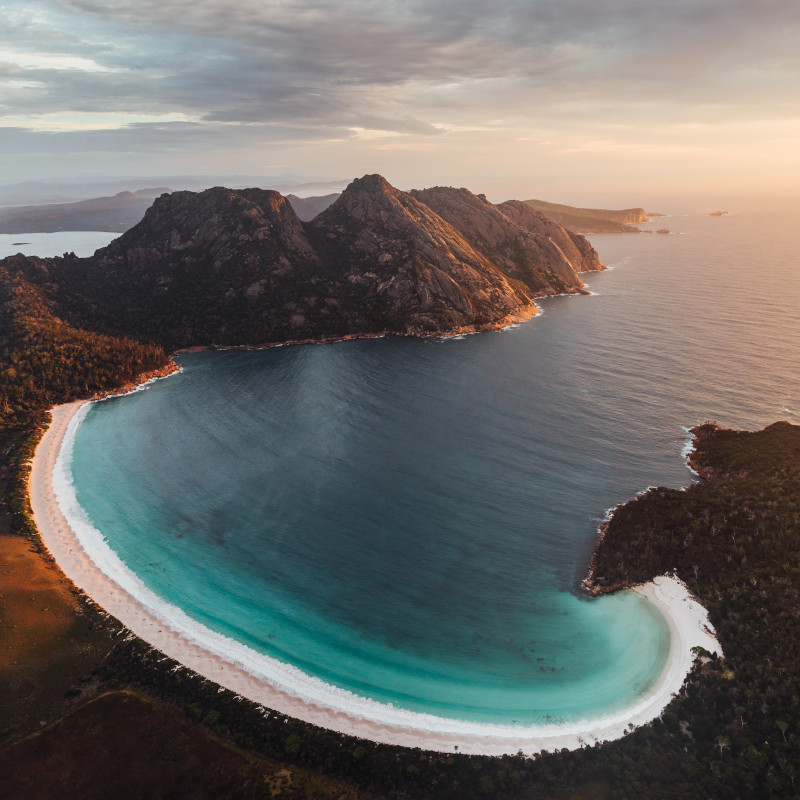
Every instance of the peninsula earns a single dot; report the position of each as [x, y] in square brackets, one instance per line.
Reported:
[224, 267]
[232, 268]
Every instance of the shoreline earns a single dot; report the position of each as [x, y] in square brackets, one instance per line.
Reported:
[687, 621]
[587, 584]
[524, 314]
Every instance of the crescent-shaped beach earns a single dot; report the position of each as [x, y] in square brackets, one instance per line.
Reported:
[263, 680]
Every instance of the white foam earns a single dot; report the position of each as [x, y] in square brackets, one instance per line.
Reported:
[140, 387]
[687, 448]
[785, 410]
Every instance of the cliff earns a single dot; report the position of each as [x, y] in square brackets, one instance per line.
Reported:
[528, 256]
[409, 266]
[574, 246]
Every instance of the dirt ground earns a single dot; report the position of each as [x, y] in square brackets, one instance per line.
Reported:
[122, 746]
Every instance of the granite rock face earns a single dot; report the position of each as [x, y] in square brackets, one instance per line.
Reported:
[408, 264]
[537, 252]
[224, 266]
[239, 267]
[575, 247]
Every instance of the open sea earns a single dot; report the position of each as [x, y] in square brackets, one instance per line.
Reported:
[408, 521]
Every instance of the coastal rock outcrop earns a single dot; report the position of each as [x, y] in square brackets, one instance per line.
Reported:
[574, 246]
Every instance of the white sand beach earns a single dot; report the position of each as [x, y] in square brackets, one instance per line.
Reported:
[244, 672]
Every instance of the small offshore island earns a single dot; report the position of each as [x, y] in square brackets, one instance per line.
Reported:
[69, 321]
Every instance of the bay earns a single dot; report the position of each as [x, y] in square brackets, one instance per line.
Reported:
[410, 519]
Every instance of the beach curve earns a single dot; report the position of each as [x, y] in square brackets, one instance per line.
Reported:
[287, 690]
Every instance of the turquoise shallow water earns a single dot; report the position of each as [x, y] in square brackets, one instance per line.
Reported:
[409, 520]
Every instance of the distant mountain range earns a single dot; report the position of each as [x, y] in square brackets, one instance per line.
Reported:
[121, 211]
[74, 190]
[307, 208]
[232, 267]
[117, 213]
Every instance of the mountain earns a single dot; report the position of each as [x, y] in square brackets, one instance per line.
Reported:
[307, 208]
[219, 266]
[591, 220]
[117, 213]
[410, 267]
[233, 267]
[574, 246]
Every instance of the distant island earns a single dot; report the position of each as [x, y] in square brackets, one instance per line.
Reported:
[592, 220]
[116, 213]
[719, 214]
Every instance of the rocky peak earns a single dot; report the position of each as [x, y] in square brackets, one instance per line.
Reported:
[371, 198]
[388, 242]
[375, 184]
[216, 225]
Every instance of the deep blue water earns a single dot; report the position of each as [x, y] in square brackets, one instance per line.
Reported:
[410, 519]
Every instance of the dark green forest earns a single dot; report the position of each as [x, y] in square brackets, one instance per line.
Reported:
[45, 360]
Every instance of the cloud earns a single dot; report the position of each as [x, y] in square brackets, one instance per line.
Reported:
[310, 60]
[239, 73]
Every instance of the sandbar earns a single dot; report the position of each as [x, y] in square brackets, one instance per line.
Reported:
[688, 625]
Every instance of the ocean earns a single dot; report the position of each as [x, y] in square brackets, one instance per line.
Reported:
[46, 245]
[407, 522]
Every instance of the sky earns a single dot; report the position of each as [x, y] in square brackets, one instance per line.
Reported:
[583, 101]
